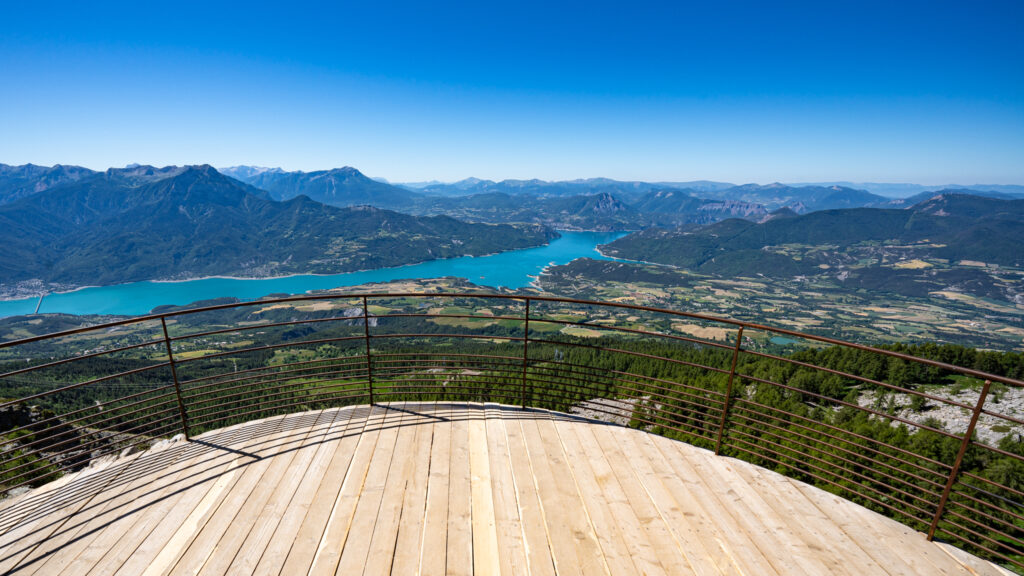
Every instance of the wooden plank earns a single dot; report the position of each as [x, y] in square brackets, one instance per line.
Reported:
[15, 509]
[686, 518]
[257, 516]
[731, 535]
[972, 563]
[82, 496]
[51, 507]
[273, 556]
[508, 527]
[409, 543]
[66, 490]
[573, 540]
[485, 525]
[536, 541]
[172, 501]
[632, 556]
[909, 543]
[872, 536]
[631, 527]
[77, 529]
[26, 514]
[118, 510]
[665, 547]
[355, 543]
[332, 540]
[347, 466]
[170, 540]
[775, 536]
[839, 553]
[460, 511]
[517, 484]
[433, 552]
[198, 537]
[381, 551]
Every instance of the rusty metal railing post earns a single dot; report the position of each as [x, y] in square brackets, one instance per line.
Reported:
[728, 391]
[174, 374]
[959, 460]
[369, 363]
[526, 345]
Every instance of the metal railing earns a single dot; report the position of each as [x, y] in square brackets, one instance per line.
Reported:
[835, 416]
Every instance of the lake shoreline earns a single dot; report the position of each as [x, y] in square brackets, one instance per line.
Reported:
[513, 269]
[618, 259]
[56, 289]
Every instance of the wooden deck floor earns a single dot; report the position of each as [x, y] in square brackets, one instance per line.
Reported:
[456, 489]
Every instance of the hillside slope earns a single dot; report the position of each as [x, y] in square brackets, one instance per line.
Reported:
[122, 226]
[950, 226]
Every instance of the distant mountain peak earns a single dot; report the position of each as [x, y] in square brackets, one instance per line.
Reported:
[203, 170]
[471, 182]
[243, 172]
[344, 186]
[347, 170]
[606, 203]
[18, 182]
[144, 173]
[597, 181]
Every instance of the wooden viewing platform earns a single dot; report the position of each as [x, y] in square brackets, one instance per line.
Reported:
[422, 488]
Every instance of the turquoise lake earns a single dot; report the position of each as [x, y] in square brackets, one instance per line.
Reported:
[509, 269]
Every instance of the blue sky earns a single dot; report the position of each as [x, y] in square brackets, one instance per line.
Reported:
[929, 92]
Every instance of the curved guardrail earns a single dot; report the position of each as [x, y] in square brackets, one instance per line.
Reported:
[853, 419]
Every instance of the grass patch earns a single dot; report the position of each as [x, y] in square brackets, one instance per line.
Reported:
[581, 332]
[194, 353]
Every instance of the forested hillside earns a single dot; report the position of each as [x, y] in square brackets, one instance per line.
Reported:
[127, 225]
[950, 226]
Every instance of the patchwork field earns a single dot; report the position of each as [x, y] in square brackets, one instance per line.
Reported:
[815, 304]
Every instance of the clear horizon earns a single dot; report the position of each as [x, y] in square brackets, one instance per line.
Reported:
[928, 93]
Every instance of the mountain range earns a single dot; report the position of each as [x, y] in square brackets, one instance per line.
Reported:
[903, 190]
[67, 225]
[950, 226]
[605, 204]
[338, 187]
[592, 204]
[634, 204]
[663, 205]
[17, 182]
[144, 223]
[800, 199]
